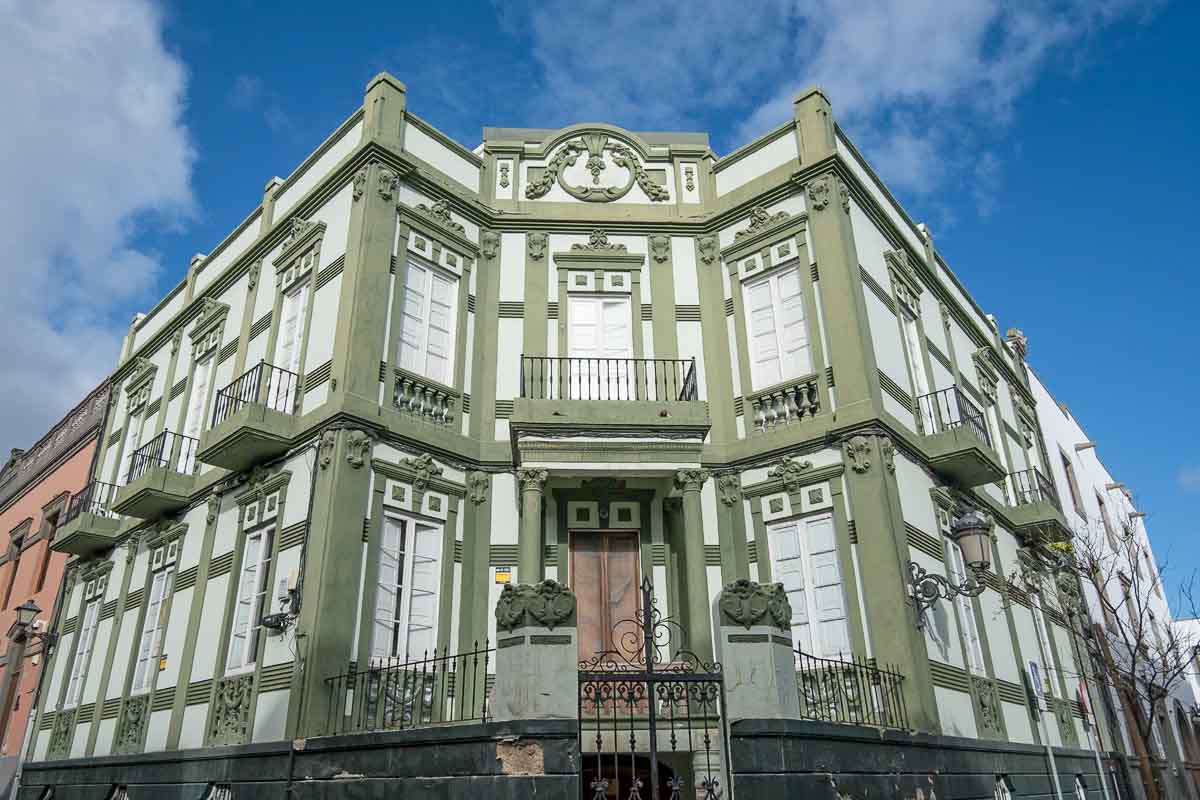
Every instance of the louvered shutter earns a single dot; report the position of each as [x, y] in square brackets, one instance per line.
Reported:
[764, 339]
[793, 332]
[965, 611]
[193, 425]
[413, 325]
[441, 332]
[788, 567]
[422, 591]
[828, 594]
[133, 440]
[391, 558]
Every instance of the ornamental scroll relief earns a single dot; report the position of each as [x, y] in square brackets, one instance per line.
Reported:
[602, 153]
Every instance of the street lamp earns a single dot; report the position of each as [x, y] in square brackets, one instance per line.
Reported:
[20, 633]
[972, 533]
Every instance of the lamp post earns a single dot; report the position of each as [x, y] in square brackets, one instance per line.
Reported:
[972, 532]
[20, 633]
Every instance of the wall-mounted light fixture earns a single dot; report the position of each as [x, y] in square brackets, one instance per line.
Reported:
[972, 533]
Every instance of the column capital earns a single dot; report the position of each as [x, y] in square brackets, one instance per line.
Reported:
[532, 479]
[691, 480]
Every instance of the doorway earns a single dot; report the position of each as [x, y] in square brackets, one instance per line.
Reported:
[604, 575]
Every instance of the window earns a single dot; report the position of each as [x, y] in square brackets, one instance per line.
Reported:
[133, 440]
[965, 611]
[1109, 533]
[193, 423]
[18, 544]
[1072, 486]
[406, 589]
[251, 600]
[153, 630]
[1043, 633]
[83, 651]
[1002, 791]
[779, 347]
[600, 340]
[281, 393]
[804, 558]
[44, 567]
[427, 328]
[1080, 789]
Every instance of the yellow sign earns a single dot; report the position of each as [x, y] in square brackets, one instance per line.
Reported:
[162, 663]
[503, 574]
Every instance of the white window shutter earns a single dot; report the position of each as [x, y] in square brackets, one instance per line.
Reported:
[793, 332]
[387, 588]
[422, 590]
[441, 332]
[764, 339]
[412, 327]
[965, 611]
[788, 566]
[829, 598]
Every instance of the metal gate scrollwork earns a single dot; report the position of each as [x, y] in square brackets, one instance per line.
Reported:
[651, 721]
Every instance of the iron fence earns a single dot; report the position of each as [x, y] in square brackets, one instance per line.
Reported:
[397, 694]
[95, 498]
[1031, 486]
[655, 379]
[263, 383]
[950, 408]
[170, 450]
[853, 692]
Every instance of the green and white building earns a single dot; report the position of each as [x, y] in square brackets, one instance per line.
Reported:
[418, 371]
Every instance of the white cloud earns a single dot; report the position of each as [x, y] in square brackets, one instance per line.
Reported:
[1189, 479]
[93, 146]
[904, 76]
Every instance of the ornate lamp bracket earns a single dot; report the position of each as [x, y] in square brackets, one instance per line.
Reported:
[927, 588]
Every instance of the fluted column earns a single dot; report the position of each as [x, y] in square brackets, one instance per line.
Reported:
[699, 618]
[533, 486]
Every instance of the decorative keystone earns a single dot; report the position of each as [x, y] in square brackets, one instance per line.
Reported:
[747, 604]
[547, 604]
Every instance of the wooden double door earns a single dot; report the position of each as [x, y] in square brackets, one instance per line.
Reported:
[604, 573]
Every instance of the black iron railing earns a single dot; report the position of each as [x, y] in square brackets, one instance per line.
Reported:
[263, 383]
[1031, 486]
[396, 694]
[656, 379]
[95, 498]
[951, 408]
[854, 692]
[171, 450]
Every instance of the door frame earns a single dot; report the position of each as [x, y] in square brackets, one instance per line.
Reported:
[636, 533]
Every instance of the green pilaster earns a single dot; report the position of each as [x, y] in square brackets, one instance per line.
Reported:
[476, 549]
[718, 374]
[252, 284]
[731, 528]
[111, 654]
[699, 620]
[883, 558]
[487, 337]
[537, 294]
[662, 299]
[532, 483]
[327, 614]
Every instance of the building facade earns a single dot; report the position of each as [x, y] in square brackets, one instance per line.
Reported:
[37, 487]
[1101, 512]
[418, 373]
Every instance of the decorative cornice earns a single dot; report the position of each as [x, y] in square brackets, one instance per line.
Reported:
[598, 242]
[595, 144]
[489, 244]
[424, 469]
[729, 488]
[791, 472]
[439, 213]
[358, 448]
[761, 220]
[691, 480]
[532, 479]
[821, 190]
[536, 244]
[707, 245]
[478, 486]
[660, 248]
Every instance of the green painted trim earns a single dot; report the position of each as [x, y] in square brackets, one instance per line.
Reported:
[110, 656]
[718, 361]
[537, 294]
[662, 301]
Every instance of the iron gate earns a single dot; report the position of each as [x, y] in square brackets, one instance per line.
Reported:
[651, 721]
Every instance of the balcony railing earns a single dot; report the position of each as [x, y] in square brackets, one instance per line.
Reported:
[263, 383]
[95, 498]
[653, 379]
[171, 450]
[395, 694]
[950, 408]
[1031, 486]
[425, 400]
[784, 404]
[853, 692]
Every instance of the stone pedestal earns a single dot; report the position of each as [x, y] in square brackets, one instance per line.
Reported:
[537, 655]
[756, 652]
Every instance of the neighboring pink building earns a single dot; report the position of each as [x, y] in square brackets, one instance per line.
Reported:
[36, 487]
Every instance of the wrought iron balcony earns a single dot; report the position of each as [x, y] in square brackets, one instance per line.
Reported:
[784, 404]
[630, 379]
[397, 694]
[159, 480]
[1035, 505]
[854, 692]
[89, 524]
[957, 438]
[253, 418]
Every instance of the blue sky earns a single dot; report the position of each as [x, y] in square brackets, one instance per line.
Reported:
[1050, 148]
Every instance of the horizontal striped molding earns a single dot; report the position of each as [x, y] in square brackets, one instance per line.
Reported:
[502, 555]
[69, 625]
[292, 535]
[220, 565]
[261, 325]
[153, 408]
[884, 296]
[938, 355]
[228, 351]
[647, 312]
[275, 677]
[392, 266]
[108, 610]
[133, 600]
[111, 708]
[47, 721]
[993, 582]
[687, 313]
[1018, 596]
[458, 551]
[658, 554]
[729, 306]
[471, 303]
[894, 389]
[115, 437]
[1010, 692]
[550, 553]
[829, 376]
[852, 530]
[163, 699]
[197, 692]
[752, 551]
[552, 310]
[511, 309]
[86, 713]
[332, 271]
[466, 404]
[504, 409]
[948, 676]
[186, 579]
[814, 273]
[712, 555]
[739, 406]
[318, 376]
[920, 540]
[177, 389]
